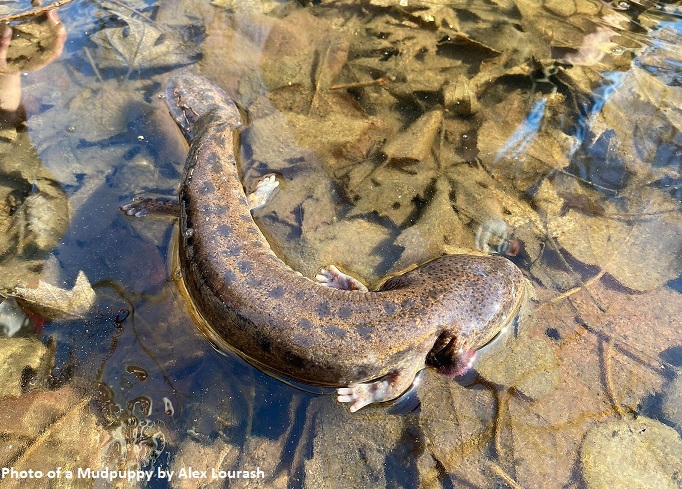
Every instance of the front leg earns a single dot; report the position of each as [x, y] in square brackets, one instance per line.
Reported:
[387, 388]
[152, 205]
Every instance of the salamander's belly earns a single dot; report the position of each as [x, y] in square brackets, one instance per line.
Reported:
[369, 343]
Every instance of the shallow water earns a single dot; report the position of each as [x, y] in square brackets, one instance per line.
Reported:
[401, 131]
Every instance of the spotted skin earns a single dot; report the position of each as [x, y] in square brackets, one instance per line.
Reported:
[370, 343]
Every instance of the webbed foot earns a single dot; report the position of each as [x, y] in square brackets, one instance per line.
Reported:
[333, 277]
[151, 205]
[265, 190]
[385, 389]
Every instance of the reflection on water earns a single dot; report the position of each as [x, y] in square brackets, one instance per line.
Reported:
[416, 128]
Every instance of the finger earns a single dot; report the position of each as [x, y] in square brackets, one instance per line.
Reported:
[60, 33]
[57, 47]
[5, 38]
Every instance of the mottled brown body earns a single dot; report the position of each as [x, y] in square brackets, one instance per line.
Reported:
[290, 324]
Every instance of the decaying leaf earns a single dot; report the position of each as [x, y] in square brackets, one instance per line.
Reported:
[138, 45]
[517, 143]
[32, 45]
[527, 364]
[641, 453]
[15, 355]
[102, 110]
[440, 230]
[360, 457]
[642, 252]
[56, 303]
[414, 144]
[45, 430]
[457, 424]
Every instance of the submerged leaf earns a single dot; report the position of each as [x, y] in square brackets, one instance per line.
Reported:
[56, 303]
[527, 364]
[415, 143]
[138, 45]
[457, 424]
[350, 447]
[641, 253]
[637, 454]
[16, 354]
[44, 430]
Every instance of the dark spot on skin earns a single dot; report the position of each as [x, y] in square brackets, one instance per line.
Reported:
[362, 372]
[398, 357]
[553, 333]
[299, 295]
[365, 331]
[233, 251]
[265, 345]
[672, 355]
[345, 312]
[407, 303]
[245, 266]
[214, 161]
[323, 309]
[433, 294]
[305, 323]
[294, 360]
[208, 188]
[389, 308]
[252, 230]
[277, 293]
[253, 282]
[245, 219]
[223, 230]
[335, 331]
[220, 210]
[229, 277]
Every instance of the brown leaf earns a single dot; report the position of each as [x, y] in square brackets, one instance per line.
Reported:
[138, 45]
[99, 113]
[519, 145]
[528, 364]
[458, 426]
[56, 303]
[360, 458]
[640, 453]
[642, 253]
[414, 144]
[15, 355]
[45, 430]
[439, 230]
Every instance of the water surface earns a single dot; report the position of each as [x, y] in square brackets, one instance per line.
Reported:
[401, 130]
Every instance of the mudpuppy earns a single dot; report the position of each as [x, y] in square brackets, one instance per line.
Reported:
[331, 331]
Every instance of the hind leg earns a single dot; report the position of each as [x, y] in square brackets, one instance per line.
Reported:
[387, 388]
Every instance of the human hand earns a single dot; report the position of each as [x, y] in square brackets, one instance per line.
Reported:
[36, 54]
